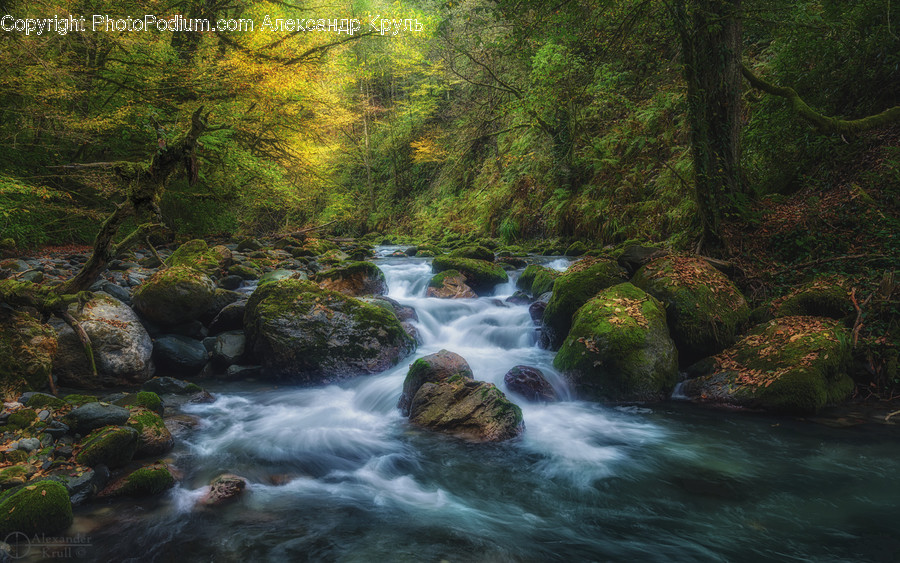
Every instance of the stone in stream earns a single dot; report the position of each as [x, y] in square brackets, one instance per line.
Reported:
[530, 383]
[171, 386]
[449, 284]
[231, 317]
[355, 279]
[432, 368]
[175, 296]
[572, 289]
[154, 437]
[472, 410]
[619, 348]
[121, 346]
[302, 332]
[179, 354]
[150, 480]
[229, 348]
[222, 489]
[704, 309]
[482, 276]
[791, 364]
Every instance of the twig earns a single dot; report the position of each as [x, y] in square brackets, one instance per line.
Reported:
[858, 324]
[162, 263]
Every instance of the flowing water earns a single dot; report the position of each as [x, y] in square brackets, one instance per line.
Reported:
[337, 474]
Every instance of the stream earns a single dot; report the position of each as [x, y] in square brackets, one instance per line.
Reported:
[337, 474]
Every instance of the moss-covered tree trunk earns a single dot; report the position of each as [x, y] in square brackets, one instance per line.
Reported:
[710, 32]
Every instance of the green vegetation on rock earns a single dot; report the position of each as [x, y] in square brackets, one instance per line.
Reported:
[42, 507]
[482, 276]
[112, 446]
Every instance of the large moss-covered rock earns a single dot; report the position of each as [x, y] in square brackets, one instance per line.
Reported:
[196, 254]
[122, 348]
[93, 415]
[42, 507]
[577, 248]
[27, 348]
[472, 410]
[449, 284]
[147, 481]
[572, 289]
[536, 279]
[303, 332]
[482, 276]
[154, 438]
[790, 364]
[619, 348]
[175, 296]
[355, 279]
[822, 297]
[112, 446]
[704, 308]
[474, 252]
[433, 368]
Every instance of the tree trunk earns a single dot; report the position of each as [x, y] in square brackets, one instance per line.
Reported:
[710, 33]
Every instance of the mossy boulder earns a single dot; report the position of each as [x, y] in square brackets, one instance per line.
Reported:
[245, 271]
[196, 254]
[577, 248]
[93, 415]
[122, 347]
[40, 400]
[449, 284]
[112, 446]
[145, 399]
[27, 348]
[537, 279]
[791, 364]
[147, 481]
[302, 332]
[16, 475]
[619, 348]
[705, 310]
[472, 410]
[482, 276]
[154, 438]
[355, 279]
[822, 297]
[42, 507]
[433, 368]
[474, 252]
[175, 296]
[319, 246]
[572, 289]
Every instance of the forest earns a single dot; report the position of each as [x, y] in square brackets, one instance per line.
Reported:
[590, 205]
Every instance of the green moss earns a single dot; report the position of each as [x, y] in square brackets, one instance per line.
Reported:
[27, 349]
[39, 400]
[196, 254]
[148, 481]
[40, 508]
[148, 400]
[438, 279]
[79, 400]
[193, 388]
[15, 475]
[112, 446]
[572, 289]
[823, 297]
[21, 419]
[619, 347]
[705, 310]
[174, 296]
[244, 271]
[577, 248]
[481, 276]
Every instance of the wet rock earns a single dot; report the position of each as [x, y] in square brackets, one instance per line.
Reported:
[536, 279]
[111, 446]
[236, 372]
[170, 386]
[175, 296]
[472, 410]
[482, 276]
[449, 284]
[88, 417]
[433, 368]
[619, 348]
[229, 348]
[179, 354]
[519, 298]
[303, 332]
[231, 317]
[634, 257]
[530, 383]
[154, 438]
[354, 279]
[473, 252]
[223, 489]
[790, 364]
[122, 348]
[147, 481]
[83, 485]
[231, 282]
